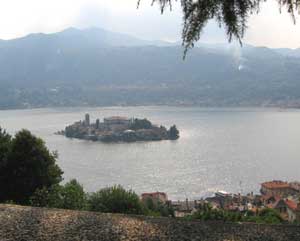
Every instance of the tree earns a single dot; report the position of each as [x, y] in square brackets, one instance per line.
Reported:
[158, 208]
[30, 166]
[73, 196]
[5, 140]
[232, 14]
[115, 200]
[5, 143]
[207, 213]
[270, 216]
[173, 133]
[69, 196]
[47, 197]
[138, 124]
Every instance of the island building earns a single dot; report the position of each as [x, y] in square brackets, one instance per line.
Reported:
[87, 120]
[117, 123]
[117, 120]
[97, 124]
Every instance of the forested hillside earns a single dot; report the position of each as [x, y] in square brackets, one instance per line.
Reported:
[97, 67]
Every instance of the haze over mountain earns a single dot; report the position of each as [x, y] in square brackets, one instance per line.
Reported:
[98, 67]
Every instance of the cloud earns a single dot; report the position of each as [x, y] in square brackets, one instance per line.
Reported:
[18, 18]
[272, 28]
[123, 16]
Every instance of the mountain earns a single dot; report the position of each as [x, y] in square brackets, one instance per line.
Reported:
[97, 67]
[93, 37]
[289, 52]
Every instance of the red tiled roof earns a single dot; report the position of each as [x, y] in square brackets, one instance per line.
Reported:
[276, 185]
[291, 204]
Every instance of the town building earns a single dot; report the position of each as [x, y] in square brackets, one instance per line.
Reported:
[288, 209]
[269, 200]
[224, 198]
[278, 188]
[214, 202]
[184, 208]
[155, 197]
[293, 211]
[295, 185]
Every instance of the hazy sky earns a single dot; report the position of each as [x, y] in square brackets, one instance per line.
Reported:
[20, 17]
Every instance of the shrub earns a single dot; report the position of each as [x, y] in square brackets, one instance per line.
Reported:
[5, 145]
[47, 197]
[269, 216]
[207, 213]
[69, 196]
[115, 200]
[158, 209]
[73, 196]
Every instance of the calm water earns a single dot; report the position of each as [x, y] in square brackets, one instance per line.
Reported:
[219, 149]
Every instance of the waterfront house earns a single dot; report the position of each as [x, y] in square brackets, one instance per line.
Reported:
[296, 186]
[185, 208]
[278, 188]
[288, 209]
[292, 210]
[156, 197]
[269, 200]
[214, 202]
[225, 199]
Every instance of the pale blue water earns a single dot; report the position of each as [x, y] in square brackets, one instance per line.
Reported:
[219, 149]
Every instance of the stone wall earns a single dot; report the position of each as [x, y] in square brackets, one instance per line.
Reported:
[30, 224]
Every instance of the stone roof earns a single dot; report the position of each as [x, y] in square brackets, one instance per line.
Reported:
[38, 224]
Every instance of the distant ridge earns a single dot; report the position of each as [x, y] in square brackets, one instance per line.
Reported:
[93, 35]
[93, 67]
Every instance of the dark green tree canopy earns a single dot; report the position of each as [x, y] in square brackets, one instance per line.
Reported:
[173, 133]
[231, 14]
[68, 196]
[115, 200]
[26, 166]
[4, 147]
[5, 141]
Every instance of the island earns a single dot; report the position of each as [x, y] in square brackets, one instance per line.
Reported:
[119, 129]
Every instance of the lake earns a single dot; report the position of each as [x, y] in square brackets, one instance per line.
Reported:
[219, 149]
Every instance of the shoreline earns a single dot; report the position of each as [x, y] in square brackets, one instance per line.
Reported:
[185, 107]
